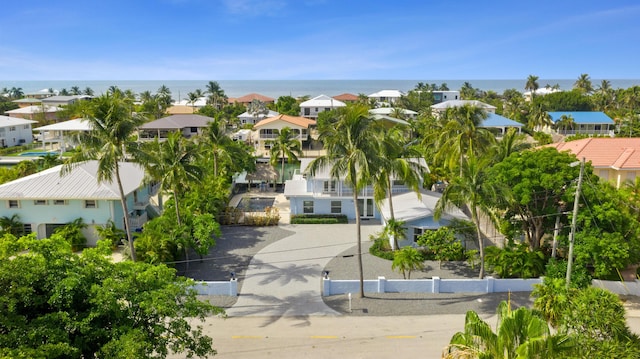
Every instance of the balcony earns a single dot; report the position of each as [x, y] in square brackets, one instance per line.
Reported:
[138, 219]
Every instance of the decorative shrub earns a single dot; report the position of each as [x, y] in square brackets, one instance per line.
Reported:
[515, 261]
[230, 215]
[381, 248]
[318, 218]
[270, 217]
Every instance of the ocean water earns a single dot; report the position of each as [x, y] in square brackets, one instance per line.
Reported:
[276, 88]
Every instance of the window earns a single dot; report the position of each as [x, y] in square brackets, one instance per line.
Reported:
[307, 111]
[13, 203]
[330, 186]
[316, 109]
[90, 203]
[336, 207]
[12, 128]
[59, 202]
[26, 127]
[40, 202]
[417, 232]
[194, 129]
[327, 108]
[26, 229]
[307, 207]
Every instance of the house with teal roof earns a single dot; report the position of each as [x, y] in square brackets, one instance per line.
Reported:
[584, 122]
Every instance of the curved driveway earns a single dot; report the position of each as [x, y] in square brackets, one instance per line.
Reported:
[284, 278]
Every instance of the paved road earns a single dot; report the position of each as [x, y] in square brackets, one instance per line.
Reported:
[283, 279]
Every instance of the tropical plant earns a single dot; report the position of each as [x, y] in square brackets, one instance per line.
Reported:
[111, 233]
[110, 142]
[395, 230]
[407, 260]
[583, 84]
[72, 233]
[565, 123]
[351, 154]
[285, 146]
[443, 244]
[532, 84]
[520, 333]
[472, 189]
[11, 225]
[511, 142]
[216, 144]
[515, 261]
[217, 96]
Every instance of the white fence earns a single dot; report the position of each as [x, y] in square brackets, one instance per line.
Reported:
[434, 285]
[229, 288]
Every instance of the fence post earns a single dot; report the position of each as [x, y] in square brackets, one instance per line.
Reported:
[381, 284]
[490, 284]
[326, 287]
[233, 287]
[435, 285]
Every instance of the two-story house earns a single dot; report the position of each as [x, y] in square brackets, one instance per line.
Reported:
[46, 200]
[311, 108]
[584, 122]
[269, 129]
[15, 131]
[386, 97]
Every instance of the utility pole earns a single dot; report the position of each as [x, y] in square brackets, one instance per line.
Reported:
[573, 223]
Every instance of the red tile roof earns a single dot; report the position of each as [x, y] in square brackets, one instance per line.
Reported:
[346, 97]
[617, 153]
[295, 120]
[253, 96]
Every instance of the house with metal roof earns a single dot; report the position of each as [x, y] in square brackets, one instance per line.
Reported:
[584, 122]
[442, 107]
[15, 131]
[188, 124]
[64, 100]
[47, 200]
[311, 108]
[61, 133]
[36, 112]
[616, 160]
[388, 111]
[386, 97]
[253, 118]
[269, 128]
[325, 194]
[501, 123]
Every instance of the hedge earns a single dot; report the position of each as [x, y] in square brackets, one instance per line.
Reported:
[318, 218]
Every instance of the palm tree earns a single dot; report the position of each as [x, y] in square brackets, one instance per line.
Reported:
[565, 123]
[406, 260]
[460, 134]
[351, 154]
[532, 85]
[216, 143]
[583, 84]
[16, 92]
[172, 163]
[193, 97]
[285, 146]
[75, 90]
[400, 160]
[109, 142]
[64, 92]
[88, 91]
[520, 333]
[470, 189]
[511, 142]
[11, 225]
[538, 118]
[216, 94]
[467, 91]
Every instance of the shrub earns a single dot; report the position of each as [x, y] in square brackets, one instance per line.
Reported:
[515, 261]
[230, 215]
[72, 233]
[381, 248]
[270, 217]
[318, 218]
[443, 244]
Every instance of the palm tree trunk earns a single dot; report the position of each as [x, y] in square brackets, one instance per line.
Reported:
[125, 209]
[282, 172]
[175, 202]
[392, 216]
[359, 238]
[474, 218]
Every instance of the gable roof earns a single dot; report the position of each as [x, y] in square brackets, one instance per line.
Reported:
[176, 122]
[270, 113]
[387, 93]
[294, 120]
[322, 101]
[616, 153]
[253, 96]
[35, 109]
[459, 103]
[583, 117]
[346, 97]
[495, 120]
[80, 183]
[6, 121]
[408, 207]
[77, 124]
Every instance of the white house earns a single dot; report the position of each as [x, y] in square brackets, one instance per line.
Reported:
[311, 108]
[60, 132]
[35, 112]
[188, 125]
[387, 111]
[15, 131]
[388, 97]
[443, 106]
[250, 118]
[46, 200]
[322, 194]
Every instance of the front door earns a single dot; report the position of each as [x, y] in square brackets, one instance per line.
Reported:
[365, 206]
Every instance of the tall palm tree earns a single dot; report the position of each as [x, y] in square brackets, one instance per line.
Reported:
[565, 123]
[461, 133]
[399, 160]
[11, 225]
[88, 91]
[110, 142]
[193, 97]
[216, 143]
[538, 118]
[75, 90]
[532, 85]
[352, 154]
[216, 94]
[470, 189]
[511, 142]
[583, 84]
[285, 146]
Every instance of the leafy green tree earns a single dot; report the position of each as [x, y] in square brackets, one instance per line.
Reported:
[564, 101]
[86, 306]
[443, 244]
[511, 142]
[352, 154]
[515, 261]
[419, 101]
[287, 105]
[72, 232]
[474, 190]
[111, 233]
[533, 184]
[109, 142]
[284, 147]
[520, 333]
[407, 260]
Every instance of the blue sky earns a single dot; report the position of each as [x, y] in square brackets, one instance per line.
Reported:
[317, 39]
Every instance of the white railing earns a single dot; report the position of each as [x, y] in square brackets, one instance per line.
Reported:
[434, 285]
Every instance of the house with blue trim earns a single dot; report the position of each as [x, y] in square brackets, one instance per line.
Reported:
[47, 200]
[585, 122]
